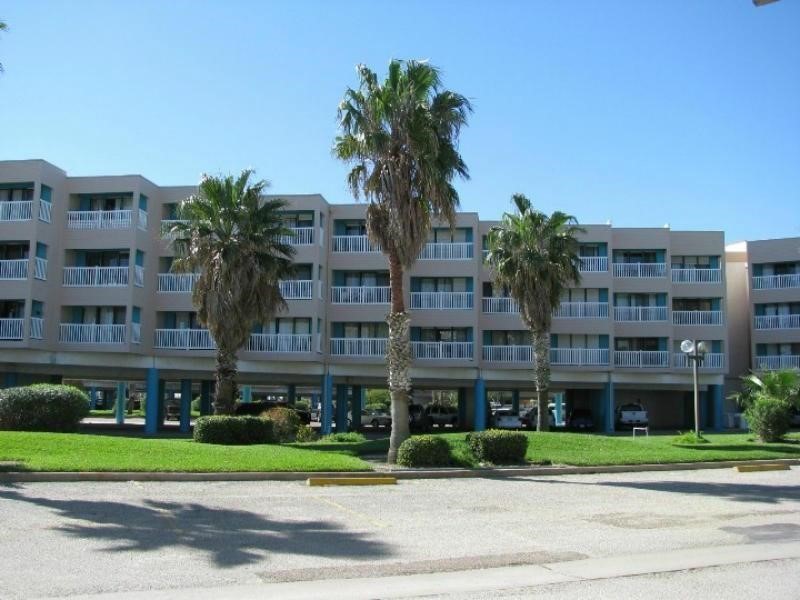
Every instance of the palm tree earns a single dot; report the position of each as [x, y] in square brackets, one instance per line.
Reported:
[236, 240]
[401, 136]
[783, 385]
[535, 257]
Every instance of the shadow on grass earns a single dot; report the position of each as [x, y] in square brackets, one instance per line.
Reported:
[378, 446]
[781, 448]
[229, 537]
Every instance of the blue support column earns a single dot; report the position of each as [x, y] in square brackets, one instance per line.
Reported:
[326, 417]
[186, 405]
[205, 397]
[515, 401]
[247, 394]
[152, 403]
[92, 398]
[480, 405]
[718, 405]
[162, 388]
[608, 402]
[119, 405]
[341, 408]
[10, 380]
[291, 393]
[462, 407]
[355, 407]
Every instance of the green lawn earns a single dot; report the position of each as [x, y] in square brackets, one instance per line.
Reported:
[90, 452]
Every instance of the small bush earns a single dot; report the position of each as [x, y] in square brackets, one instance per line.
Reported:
[498, 446]
[306, 434]
[424, 451]
[196, 404]
[689, 439]
[43, 407]
[285, 423]
[228, 430]
[768, 417]
[345, 438]
[303, 405]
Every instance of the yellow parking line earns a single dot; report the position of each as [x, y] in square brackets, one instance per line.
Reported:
[355, 513]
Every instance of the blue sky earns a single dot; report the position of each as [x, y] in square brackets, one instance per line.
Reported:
[638, 112]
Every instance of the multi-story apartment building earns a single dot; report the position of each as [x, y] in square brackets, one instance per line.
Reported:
[87, 295]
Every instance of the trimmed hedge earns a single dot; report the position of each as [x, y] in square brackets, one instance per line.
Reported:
[230, 431]
[43, 407]
[285, 423]
[769, 418]
[424, 451]
[498, 446]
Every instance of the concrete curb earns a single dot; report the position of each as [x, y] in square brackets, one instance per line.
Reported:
[497, 473]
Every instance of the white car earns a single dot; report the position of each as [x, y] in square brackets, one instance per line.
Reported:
[632, 415]
[504, 418]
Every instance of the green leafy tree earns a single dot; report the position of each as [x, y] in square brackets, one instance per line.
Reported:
[535, 257]
[401, 138]
[235, 240]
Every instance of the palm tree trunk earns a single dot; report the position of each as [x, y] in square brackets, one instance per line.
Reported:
[541, 377]
[398, 359]
[225, 391]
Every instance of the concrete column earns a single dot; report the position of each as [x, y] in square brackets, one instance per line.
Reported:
[480, 405]
[608, 403]
[341, 408]
[356, 406]
[151, 410]
[462, 408]
[247, 394]
[92, 398]
[205, 397]
[326, 417]
[186, 405]
[162, 388]
[10, 380]
[718, 405]
[119, 405]
[515, 401]
[291, 393]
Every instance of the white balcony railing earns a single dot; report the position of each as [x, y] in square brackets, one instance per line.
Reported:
[136, 333]
[91, 333]
[447, 251]
[441, 300]
[593, 264]
[280, 342]
[640, 313]
[138, 276]
[99, 219]
[711, 360]
[776, 282]
[301, 236]
[177, 283]
[361, 295]
[500, 305]
[297, 289]
[353, 244]
[777, 322]
[696, 275]
[442, 350]
[697, 317]
[16, 210]
[641, 358]
[582, 310]
[40, 268]
[142, 224]
[11, 329]
[96, 276]
[166, 227]
[642, 270]
[37, 328]
[183, 339]
[358, 347]
[14, 269]
[778, 361]
[508, 354]
[579, 357]
[45, 211]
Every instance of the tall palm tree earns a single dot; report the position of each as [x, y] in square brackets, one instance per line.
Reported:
[236, 240]
[783, 384]
[535, 257]
[401, 136]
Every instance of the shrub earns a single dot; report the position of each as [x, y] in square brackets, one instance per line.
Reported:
[345, 438]
[768, 417]
[424, 451]
[498, 446]
[303, 405]
[285, 423]
[306, 434]
[196, 404]
[689, 439]
[43, 407]
[228, 430]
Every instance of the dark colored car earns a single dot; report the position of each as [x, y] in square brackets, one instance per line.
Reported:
[580, 419]
[257, 408]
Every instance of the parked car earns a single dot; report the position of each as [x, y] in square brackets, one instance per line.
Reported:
[580, 419]
[441, 415]
[506, 418]
[632, 415]
[529, 418]
[377, 418]
[417, 419]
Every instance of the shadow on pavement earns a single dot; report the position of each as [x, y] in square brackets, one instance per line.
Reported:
[230, 537]
[773, 532]
[740, 492]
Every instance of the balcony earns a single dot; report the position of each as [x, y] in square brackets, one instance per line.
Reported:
[301, 236]
[696, 275]
[361, 295]
[280, 342]
[508, 354]
[45, 211]
[640, 313]
[99, 219]
[177, 283]
[778, 361]
[15, 269]
[500, 305]
[37, 328]
[16, 210]
[641, 359]
[375, 347]
[441, 300]
[582, 310]
[776, 282]
[92, 333]
[697, 317]
[353, 244]
[640, 270]
[777, 322]
[40, 268]
[712, 360]
[593, 264]
[579, 357]
[166, 227]
[442, 350]
[447, 251]
[183, 339]
[11, 329]
[96, 276]
[297, 289]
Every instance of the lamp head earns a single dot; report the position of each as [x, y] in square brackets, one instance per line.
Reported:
[702, 348]
[687, 346]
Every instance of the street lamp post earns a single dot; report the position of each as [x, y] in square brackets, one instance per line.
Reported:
[696, 352]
